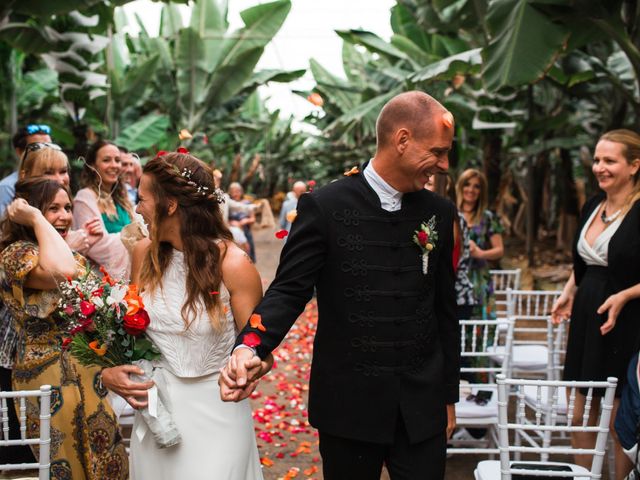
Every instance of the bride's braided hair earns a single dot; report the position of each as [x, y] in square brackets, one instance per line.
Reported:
[189, 181]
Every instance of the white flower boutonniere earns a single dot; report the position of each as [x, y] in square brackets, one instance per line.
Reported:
[426, 237]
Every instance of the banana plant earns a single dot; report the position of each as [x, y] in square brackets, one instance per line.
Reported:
[197, 74]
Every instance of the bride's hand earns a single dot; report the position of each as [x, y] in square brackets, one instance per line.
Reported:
[239, 378]
[117, 380]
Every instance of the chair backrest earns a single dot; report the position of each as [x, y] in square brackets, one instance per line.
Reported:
[530, 310]
[534, 420]
[44, 440]
[504, 280]
[484, 350]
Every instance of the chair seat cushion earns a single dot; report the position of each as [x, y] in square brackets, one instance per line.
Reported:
[490, 469]
[469, 409]
[525, 357]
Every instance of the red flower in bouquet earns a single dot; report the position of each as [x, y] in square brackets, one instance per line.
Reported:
[87, 308]
[423, 238]
[66, 342]
[137, 323]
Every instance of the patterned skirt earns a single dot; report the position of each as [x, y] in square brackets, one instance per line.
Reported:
[85, 439]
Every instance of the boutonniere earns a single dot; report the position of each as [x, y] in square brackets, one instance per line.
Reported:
[426, 237]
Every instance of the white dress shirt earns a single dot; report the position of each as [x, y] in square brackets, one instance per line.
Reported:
[390, 198]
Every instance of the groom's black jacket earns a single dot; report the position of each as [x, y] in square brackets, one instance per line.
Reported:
[388, 340]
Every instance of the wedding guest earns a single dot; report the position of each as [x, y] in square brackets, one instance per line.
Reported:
[85, 442]
[194, 314]
[387, 344]
[46, 160]
[602, 296]
[104, 196]
[241, 217]
[131, 173]
[30, 134]
[485, 244]
[49, 161]
[290, 204]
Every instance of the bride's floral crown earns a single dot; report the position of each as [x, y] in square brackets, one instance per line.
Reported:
[215, 193]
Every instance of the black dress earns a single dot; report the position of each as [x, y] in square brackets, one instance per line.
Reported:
[591, 355]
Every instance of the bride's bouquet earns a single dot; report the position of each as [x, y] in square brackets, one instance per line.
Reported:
[106, 328]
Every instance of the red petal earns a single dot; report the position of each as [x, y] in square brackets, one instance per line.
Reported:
[251, 340]
[281, 234]
[182, 150]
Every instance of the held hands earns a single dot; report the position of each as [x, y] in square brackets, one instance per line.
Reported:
[561, 310]
[117, 380]
[239, 378]
[614, 304]
[19, 211]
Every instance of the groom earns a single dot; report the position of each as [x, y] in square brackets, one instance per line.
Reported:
[384, 375]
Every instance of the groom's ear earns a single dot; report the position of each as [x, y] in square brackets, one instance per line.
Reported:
[172, 206]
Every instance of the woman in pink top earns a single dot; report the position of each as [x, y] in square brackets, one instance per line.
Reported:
[105, 197]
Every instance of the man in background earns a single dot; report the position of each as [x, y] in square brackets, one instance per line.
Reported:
[287, 213]
[33, 133]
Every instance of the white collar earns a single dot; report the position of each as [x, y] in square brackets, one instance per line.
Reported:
[390, 198]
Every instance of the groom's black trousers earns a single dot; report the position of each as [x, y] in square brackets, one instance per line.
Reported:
[344, 459]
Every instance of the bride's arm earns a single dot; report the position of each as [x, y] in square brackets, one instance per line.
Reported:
[243, 282]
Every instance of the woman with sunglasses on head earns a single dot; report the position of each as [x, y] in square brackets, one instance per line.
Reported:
[602, 296]
[34, 259]
[49, 161]
[105, 196]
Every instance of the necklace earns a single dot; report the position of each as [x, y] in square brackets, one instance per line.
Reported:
[607, 220]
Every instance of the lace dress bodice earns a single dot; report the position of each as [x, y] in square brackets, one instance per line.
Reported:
[187, 352]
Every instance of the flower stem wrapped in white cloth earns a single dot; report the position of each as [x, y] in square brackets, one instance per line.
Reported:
[157, 414]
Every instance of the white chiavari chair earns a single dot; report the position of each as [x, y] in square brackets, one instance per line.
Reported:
[529, 423]
[535, 346]
[476, 339]
[504, 280]
[43, 441]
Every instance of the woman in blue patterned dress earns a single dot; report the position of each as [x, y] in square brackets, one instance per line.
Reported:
[485, 243]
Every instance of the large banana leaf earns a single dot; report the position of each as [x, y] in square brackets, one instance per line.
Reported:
[524, 45]
[149, 131]
[35, 87]
[209, 19]
[462, 63]
[373, 43]
[26, 38]
[192, 75]
[271, 75]
[335, 90]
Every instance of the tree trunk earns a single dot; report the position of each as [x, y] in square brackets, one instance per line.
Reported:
[491, 154]
[567, 203]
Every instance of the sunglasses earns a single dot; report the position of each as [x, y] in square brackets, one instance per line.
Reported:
[34, 147]
[35, 128]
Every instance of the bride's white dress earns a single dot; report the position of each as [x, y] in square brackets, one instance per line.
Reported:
[218, 439]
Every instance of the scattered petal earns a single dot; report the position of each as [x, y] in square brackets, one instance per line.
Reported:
[214, 292]
[316, 99]
[353, 171]
[280, 234]
[185, 134]
[447, 119]
[291, 215]
[256, 322]
[251, 340]
[266, 461]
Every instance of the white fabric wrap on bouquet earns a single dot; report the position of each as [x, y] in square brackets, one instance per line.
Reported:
[157, 415]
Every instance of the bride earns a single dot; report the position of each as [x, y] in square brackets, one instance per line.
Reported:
[199, 290]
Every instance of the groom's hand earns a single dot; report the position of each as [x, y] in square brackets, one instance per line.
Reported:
[238, 379]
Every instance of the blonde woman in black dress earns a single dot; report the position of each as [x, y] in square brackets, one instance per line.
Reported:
[602, 296]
